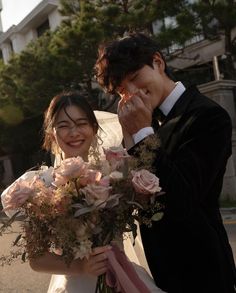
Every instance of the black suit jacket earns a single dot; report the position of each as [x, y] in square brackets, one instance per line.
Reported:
[188, 250]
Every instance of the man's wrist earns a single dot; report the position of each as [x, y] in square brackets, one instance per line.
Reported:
[142, 133]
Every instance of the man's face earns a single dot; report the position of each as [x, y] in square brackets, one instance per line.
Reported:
[152, 81]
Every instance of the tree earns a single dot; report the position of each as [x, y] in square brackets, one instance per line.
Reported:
[222, 16]
[57, 61]
[211, 18]
[64, 59]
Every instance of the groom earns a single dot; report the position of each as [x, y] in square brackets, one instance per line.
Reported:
[188, 249]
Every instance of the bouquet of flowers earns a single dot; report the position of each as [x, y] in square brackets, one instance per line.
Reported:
[68, 210]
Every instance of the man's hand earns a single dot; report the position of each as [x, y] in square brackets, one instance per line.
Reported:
[135, 113]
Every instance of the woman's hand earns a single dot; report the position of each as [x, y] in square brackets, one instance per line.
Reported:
[51, 263]
[96, 264]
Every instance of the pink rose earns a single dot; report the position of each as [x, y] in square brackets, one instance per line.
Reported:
[116, 156]
[60, 179]
[105, 181]
[145, 182]
[96, 194]
[115, 153]
[91, 176]
[18, 194]
[70, 168]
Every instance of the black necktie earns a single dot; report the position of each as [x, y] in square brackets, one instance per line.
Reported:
[157, 118]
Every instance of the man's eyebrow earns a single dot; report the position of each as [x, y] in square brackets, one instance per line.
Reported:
[133, 76]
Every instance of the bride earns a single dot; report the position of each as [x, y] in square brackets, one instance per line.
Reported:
[70, 129]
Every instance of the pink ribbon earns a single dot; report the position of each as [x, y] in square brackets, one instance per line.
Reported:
[121, 274]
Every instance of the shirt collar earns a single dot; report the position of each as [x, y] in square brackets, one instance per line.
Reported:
[172, 98]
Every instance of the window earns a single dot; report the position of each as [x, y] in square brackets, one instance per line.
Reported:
[196, 74]
[42, 28]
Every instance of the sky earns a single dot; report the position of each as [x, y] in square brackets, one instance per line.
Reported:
[15, 10]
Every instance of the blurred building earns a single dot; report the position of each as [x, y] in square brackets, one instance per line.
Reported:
[201, 61]
[43, 17]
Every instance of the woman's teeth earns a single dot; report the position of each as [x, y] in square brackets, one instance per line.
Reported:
[75, 143]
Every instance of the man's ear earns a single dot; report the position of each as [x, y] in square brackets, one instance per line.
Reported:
[158, 61]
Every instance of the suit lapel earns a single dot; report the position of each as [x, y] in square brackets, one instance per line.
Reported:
[174, 117]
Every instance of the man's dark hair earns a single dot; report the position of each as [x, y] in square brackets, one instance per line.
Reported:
[117, 59]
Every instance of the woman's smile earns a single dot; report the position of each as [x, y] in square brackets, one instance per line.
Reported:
[75, 143]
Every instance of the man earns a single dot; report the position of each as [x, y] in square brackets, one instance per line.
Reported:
[188, 249]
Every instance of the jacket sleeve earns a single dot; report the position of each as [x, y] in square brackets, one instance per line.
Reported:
[193, 174]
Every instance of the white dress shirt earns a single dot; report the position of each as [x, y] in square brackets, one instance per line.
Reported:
[165, 107]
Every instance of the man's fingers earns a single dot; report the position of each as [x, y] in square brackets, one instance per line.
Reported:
[135, 113]
[136, 100]
[141, 100]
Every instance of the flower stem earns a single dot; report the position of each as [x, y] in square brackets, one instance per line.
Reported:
[102, 287]
[76, 186]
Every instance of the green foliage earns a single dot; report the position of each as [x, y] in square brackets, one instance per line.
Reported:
[25, 137]
[210, 18]
[64, 59]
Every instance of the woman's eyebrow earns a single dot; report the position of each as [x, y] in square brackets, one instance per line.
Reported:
[77, 120]
[81, 119]
[62, 121]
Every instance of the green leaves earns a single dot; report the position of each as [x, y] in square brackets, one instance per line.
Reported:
[64, 59]
[157, 216]
[11, 114]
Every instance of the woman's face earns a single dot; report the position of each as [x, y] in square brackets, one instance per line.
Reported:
[74, 136]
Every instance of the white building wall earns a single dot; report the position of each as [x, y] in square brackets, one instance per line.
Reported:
[199, 52]
[18, 42]
[54, 19]
[30, 35]
[20, 35]
[6, 51]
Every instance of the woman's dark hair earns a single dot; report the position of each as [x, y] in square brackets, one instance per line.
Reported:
[121, 57]
[62, 101]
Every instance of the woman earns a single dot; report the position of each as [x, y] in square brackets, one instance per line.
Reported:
[71, 130]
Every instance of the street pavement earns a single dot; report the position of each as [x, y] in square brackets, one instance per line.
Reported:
[229, 219]
[19, 278]
[228, 215]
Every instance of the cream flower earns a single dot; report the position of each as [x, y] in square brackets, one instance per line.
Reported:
[116, 175]
[83, 250]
